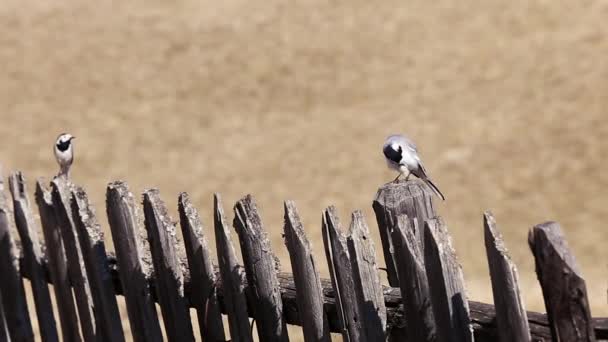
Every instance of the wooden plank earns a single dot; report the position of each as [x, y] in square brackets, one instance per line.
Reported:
[203, 294]
[411, 198]
[57, 264]
[446, 283]
[32, 255]
[61, 191]
[563, 286]
[511, 315]
[11, 287]
[366, 279]
[261, 269]
[107, 316]
[232, 276]
[340, 269]
[167, 266]
[309, 293]
[125, 225]
[414, 285]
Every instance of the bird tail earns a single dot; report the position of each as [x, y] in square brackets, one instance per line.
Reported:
[435, 188]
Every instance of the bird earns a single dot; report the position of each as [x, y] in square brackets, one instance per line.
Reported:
[64, 153]
[402, 155]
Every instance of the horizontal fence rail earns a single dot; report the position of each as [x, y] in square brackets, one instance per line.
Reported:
[151, 266]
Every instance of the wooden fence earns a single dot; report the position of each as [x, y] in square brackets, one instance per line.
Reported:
[149, 267]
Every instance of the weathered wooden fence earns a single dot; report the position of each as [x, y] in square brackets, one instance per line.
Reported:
[426, 299]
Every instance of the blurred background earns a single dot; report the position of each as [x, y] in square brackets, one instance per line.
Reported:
[507, 102]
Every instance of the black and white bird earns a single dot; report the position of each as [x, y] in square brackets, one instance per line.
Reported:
[64, 153]
[402, 155]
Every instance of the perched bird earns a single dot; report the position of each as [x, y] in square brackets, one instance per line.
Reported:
[402, 155]
[64, 153]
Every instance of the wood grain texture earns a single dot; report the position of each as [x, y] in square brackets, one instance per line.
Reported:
[11, 287]
[368, 288]
[261, 268]
[411, 198]
[233, 279]
[511, 317]
[135, 268]
[167, 266]
[203, 291]
[32, 255]
[340, 270]
[446, 283]
[309, 293]
[563, 286]
[57, 264]
[107, 317]
[420, 320]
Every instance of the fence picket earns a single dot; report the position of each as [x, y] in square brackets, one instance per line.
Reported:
[167, 266]
[203, 292]
[563, 286]
[261, 270]
[107, 316]
[33, 257]
[446, 283]
[133, 269]
[511, 317]
[235, 302]
[57, 264]
[11, 287]
[309, 293]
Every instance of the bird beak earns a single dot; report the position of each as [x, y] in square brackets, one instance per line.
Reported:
[73, 138]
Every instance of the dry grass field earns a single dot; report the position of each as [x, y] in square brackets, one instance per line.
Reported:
[508, 102]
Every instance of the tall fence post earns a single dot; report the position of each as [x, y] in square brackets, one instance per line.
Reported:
[33, 257]
[563, 285]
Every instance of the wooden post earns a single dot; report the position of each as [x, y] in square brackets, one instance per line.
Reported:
[366, 279]
[412, 198]
[261, 269]
[420, 321]
[107, 316]
[32, 255]
[11, 286]
[562, 283]
[309, 293]
[203, 294]
[57, 264]
[78, 277]
[511, 315]
[125, 225]
[235, 302]
[340, 269]
[169, 278]
[446, 282]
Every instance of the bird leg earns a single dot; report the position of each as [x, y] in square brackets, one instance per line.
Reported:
[397, 178]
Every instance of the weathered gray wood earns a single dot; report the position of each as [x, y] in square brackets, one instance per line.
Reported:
[261, 269]
[309, 293]
[511, 315]
[563, 286]
[414, 285]
[107, 317]
[412, 198]
[446, 283]
[167, 266]
[57, 265]
[61, 190]
[232, 276]
[366, 279]
[340, 269]
[203, 294]
[4, 337]
[32, 255]
[125, 225]
[11, 284]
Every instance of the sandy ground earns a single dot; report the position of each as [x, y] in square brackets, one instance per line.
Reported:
[506, 100]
